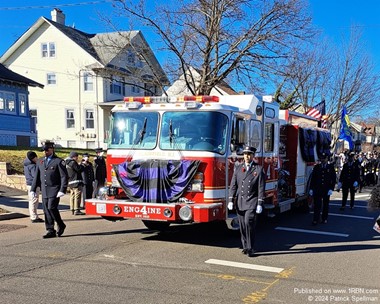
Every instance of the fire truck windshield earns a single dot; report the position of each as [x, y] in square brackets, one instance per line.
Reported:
[134, 130]
[192, 131]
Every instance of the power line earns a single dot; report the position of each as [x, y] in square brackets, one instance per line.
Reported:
[53, 5]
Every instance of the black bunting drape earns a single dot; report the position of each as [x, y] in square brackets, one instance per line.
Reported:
[308, 138]
[155, 181]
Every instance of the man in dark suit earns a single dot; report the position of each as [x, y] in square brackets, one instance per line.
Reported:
[322, 183]
[51, 176]
[100, 171]
[247, 188]
[349, 180]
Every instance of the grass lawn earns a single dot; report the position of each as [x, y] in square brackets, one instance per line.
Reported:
[16, 155]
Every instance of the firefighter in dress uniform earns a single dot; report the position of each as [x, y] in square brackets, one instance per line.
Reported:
[247, 188]
[322, 183]
[51, 176]
[348, 180]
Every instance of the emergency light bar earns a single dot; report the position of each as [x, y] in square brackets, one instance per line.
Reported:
[165, 99]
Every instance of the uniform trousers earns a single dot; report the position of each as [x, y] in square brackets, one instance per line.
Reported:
[345, 191]
[50, 206]
[321, 203]
[247, 225]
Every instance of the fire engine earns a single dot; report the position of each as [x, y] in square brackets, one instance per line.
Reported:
[171, 159]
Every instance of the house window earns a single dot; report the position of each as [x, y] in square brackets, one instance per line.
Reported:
[51, 79]
[131, 58]
[33, 114]
[70, 120]
[48, 49]
[10, 102]
[22, 101]
[117, 87]
[2, 101]
[89, 119]
[88, 82]
[135, 89]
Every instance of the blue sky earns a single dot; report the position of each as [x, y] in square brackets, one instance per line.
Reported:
[334, 17]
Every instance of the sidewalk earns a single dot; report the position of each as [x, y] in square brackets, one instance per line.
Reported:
[14, 203]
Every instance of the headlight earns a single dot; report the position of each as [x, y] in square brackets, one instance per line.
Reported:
[185, 213]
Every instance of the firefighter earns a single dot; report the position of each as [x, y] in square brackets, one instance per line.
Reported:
[100, 171]
[348, 180]
[322, 183]
[51, 176]
[247, 189]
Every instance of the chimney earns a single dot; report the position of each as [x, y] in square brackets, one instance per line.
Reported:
[58, 16]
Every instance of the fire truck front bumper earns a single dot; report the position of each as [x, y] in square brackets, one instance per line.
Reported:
[159, 212]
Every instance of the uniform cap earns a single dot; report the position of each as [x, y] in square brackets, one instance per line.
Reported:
[31, 155]
[99, 150]
[73, 154]
[47, 145]
[85, 155]
[249, 149]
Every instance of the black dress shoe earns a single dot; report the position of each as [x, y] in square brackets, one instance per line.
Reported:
[244, 251]
[61, 230]
[251, 253]
[49, 235]
[38, 220]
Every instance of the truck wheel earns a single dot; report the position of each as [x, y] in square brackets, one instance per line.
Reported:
[156, 225]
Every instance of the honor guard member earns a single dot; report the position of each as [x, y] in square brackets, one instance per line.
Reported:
[51, 176]
[247, 189]
[348, 180]
[322, 183]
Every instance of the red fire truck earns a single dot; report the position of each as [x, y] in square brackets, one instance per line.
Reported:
[171, 159]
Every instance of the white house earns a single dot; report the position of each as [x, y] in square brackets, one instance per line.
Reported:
[84, 75]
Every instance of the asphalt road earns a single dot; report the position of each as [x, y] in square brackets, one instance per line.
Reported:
[97, 261]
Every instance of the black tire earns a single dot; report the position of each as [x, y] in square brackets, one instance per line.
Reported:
[156, 225]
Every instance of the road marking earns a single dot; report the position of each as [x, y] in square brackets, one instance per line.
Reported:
[356, 206]
[244, 265]
[362, 195]
[352, 216]
[312, 231]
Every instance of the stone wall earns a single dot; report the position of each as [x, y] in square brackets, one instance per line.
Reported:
[11, 180]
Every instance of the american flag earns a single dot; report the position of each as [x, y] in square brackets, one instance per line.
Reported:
[319, 112]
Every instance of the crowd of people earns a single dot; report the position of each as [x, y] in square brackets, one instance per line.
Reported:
[53, 176]
[347, 171]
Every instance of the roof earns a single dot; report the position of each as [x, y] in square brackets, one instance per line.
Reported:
[8, 75]
[100, 46]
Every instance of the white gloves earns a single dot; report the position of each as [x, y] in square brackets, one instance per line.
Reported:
[355, 184]
[259, 209]
[32, 194]
[311, 192]
[330, 192]
[60, 194]
[339, 185]
[230, 206]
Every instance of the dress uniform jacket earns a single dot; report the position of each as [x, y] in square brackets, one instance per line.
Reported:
[248, 186]
[350, 174]
[51, 177]
[323, 179]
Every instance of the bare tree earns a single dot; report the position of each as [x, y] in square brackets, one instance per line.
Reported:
[234, 40]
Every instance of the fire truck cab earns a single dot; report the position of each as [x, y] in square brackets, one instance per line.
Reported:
[171, 159]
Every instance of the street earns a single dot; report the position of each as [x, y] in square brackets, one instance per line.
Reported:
[97, 261]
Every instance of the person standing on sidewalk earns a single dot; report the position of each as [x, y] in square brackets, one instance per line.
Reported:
[100, 171]
[348, 180]
[30, 168]
[322, 183]
[75, 183]
[51, 177]
[88, 178]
